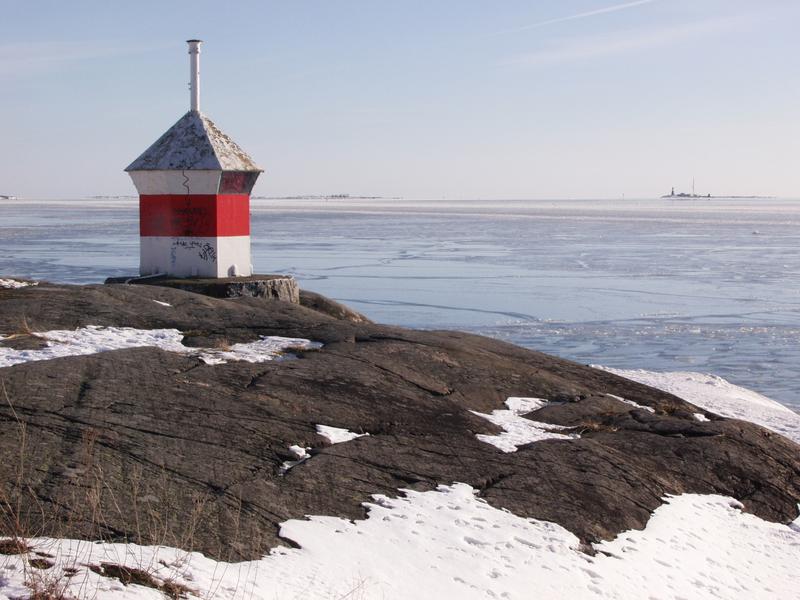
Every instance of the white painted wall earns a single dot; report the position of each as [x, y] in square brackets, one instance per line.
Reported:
[176, 182]
[234, 256]
[195, 256]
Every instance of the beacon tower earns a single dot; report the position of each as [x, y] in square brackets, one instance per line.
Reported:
[194, 188]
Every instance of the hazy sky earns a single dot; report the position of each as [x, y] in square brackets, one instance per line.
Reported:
[446, 98]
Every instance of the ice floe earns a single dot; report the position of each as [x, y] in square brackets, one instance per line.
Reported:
[94, 339]
[518, 430]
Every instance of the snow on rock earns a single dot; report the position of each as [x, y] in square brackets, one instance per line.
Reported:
[719, 396]
[299, 451]
[267, 348]
[337, 435]
[14, 284]
[449, 543]
[518, 430]
[162, 303]
[91, 340]
[703, 546]
[94, 339]
[632, 403]
[301, 455]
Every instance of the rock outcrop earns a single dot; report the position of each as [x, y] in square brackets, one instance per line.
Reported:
[158, 447]
[329, 307]
[269, 287]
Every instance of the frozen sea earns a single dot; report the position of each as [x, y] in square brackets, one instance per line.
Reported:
[709, 285]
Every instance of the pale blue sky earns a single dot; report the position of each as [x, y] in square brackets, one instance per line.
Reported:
[453, 98]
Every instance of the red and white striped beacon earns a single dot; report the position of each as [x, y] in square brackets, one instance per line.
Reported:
[194, 188]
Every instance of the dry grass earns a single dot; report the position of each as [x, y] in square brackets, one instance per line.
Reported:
[356, 592]
[25, 327]
[592, 426]
[23, 330]
[131, 575]
[43, 583]
[49, 578]
[11, 503]
[12, 546]
[48, 592]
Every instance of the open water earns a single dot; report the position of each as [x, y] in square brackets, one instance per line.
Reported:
[706, 285]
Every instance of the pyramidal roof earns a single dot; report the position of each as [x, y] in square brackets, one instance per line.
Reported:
[194, 143]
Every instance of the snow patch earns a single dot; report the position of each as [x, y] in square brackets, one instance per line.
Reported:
[299, 451]
[267, 348]
[14, 284]
[449, 543]
[301, 455]
[632, 403]
[719, 396]
[518, 430]
[94, 339]
[337, 435]
[162, 303]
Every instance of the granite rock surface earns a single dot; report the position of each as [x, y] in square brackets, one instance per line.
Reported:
[152, 446]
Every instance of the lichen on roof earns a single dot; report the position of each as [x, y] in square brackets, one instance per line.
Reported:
[194, 143]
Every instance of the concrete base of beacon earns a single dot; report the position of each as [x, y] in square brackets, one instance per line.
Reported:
[270, 287]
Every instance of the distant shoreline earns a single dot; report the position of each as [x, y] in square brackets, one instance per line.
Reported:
[327, 197]
[335, 199]
[710, 197]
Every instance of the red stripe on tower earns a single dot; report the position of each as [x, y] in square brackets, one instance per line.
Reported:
[200, 215]
[194, 187]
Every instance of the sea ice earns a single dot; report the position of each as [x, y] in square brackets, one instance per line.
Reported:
[685, 286]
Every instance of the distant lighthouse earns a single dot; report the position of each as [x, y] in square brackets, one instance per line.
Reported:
[194, 187]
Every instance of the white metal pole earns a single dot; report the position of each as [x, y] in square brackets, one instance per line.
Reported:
[194, 85]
